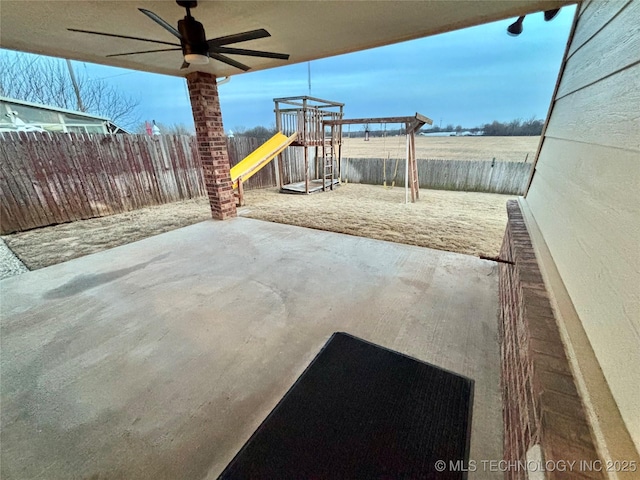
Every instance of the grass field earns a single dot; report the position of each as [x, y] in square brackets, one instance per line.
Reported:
[504, 149]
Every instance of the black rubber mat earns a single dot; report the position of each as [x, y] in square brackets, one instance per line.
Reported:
[360, 411]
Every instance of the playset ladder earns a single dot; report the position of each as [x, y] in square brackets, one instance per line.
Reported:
[327, 173]
[329, 159]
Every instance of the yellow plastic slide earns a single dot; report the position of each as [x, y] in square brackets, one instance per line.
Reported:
[261, 156]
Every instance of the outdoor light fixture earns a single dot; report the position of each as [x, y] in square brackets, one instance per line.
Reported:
[515, 28]
[196, 59]
[550, 14]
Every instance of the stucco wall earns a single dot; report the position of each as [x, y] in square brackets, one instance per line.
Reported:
[585, 193]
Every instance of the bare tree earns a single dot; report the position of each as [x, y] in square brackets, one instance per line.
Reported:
[46, 80]
[257, 132]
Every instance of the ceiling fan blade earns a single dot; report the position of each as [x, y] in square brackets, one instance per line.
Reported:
[185, 64]
[251, 53]
[229, 61]
[145, 51]
[123, 36]
[239, 37]
[166, 25]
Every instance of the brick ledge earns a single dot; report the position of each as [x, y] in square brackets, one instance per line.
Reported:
[540, 399]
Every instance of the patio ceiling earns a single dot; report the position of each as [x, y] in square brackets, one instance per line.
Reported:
[306, 30]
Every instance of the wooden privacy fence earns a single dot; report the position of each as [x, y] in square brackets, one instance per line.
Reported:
[55, 178]
[46, 178]
[469, 176]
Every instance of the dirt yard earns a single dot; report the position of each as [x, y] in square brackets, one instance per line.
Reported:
[504, 149]
[471, 223]
[56, 244]
[463, 222]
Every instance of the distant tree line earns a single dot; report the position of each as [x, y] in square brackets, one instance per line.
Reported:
[384, 132]
[264, 132]
[255, 132]
[451, 128]
[517, 127]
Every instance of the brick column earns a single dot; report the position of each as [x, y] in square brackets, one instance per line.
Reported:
[212, 144]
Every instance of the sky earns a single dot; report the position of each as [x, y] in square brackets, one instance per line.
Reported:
[467, 77]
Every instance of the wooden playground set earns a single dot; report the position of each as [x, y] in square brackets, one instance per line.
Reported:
[307, 122]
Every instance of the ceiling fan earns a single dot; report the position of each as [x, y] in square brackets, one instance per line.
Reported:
[195, 47]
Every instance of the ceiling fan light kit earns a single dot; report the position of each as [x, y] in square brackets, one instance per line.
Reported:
[196, 49]
[196, 59]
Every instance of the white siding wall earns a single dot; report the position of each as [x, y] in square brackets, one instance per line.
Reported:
[585, 192]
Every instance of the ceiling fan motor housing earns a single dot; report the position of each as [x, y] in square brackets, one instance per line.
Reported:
[193, 40]
[187, 3]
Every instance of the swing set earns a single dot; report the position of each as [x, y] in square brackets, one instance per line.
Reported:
[412, 125]
[311, 122]
[387, 158]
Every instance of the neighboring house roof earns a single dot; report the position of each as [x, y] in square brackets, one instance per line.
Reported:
[52, 108]
[11, 120]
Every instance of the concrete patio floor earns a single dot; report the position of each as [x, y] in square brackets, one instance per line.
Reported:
[158, 359]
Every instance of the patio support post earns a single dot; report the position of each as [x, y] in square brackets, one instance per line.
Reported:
[212, 143]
